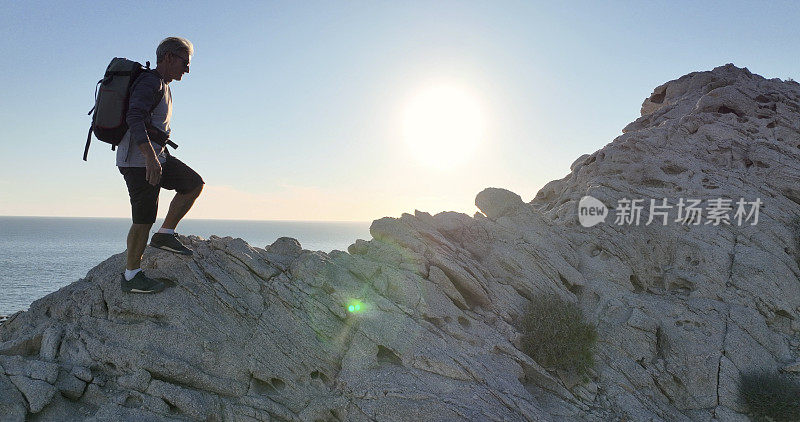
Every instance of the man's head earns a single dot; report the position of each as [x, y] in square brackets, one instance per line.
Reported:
[173, 57]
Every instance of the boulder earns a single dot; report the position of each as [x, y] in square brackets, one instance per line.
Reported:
[497, 202]
[37, 393]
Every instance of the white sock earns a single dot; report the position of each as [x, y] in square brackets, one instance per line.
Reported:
[167, 231]
[129, 274]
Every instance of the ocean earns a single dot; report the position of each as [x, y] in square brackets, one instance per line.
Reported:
[39, 255]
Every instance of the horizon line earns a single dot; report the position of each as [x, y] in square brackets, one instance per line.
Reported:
[194, 219]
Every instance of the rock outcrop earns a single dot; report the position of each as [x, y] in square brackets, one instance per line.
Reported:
[681, 309]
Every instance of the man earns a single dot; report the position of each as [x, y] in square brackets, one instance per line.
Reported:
[147, 166]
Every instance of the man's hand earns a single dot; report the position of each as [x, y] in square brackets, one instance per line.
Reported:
[153, 169]
[152, 166]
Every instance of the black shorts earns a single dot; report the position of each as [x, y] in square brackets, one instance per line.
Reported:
[175, 175]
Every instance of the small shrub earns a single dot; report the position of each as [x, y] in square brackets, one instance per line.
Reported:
[770, 396]
[555, 335]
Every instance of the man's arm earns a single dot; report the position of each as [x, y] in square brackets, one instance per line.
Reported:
[141, 102]
[153, 167]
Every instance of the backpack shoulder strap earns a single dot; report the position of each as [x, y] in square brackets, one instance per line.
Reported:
[162, 91]
[91, 126]
[88, 142]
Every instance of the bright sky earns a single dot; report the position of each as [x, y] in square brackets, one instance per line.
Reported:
[300, 110]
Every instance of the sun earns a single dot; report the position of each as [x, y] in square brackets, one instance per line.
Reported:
[443, 125]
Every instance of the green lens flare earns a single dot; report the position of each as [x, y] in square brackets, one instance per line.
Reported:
[354, 306]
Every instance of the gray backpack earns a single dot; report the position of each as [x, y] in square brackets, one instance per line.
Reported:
[111, 97]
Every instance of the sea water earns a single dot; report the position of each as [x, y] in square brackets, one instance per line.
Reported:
[39, 255]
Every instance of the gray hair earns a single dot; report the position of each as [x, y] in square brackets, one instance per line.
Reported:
[173, 45]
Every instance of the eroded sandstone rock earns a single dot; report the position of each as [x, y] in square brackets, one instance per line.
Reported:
[682, 310]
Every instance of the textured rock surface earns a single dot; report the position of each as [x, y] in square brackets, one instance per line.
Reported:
[496, 202]
[244, 333]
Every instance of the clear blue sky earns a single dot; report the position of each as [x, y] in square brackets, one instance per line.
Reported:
[291, 110]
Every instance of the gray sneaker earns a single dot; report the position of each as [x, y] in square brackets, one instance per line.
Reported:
[169, 242]
[141, 284]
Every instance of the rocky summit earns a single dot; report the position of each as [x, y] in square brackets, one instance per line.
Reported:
[691, 281]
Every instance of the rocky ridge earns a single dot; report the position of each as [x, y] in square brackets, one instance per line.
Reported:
[682, 310]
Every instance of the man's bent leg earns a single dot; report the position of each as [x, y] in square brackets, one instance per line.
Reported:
[188, 185]
[137, 241]
[180, 205]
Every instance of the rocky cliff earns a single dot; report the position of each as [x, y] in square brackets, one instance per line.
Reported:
[682, 308]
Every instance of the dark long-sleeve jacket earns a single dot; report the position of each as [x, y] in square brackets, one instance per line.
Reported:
[146, 96]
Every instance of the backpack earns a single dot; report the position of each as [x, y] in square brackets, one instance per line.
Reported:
[111, 97]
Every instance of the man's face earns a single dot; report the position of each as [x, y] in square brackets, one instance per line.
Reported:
[177, 65]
